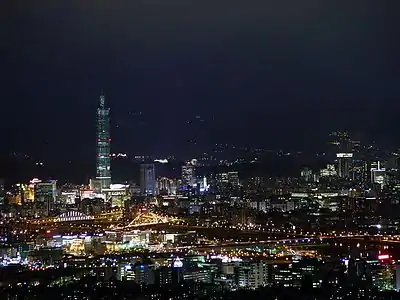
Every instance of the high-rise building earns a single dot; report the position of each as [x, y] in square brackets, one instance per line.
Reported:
[341, 140]
[166, 186]
[2, 194]
[147, 179]
[378, 175]
[233, 178]
[45, 197]
[344, 162]
[188, 174]
[344, 147]
[103, 164]
[226, 184]
[306, 174]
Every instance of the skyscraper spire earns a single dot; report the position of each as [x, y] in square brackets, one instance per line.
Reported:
[102, 98]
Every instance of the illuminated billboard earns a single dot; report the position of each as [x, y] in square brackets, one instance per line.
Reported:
[383, 256]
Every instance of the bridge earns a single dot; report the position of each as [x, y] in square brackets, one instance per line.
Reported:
[76, 216]
[144, 219]
[71, 216]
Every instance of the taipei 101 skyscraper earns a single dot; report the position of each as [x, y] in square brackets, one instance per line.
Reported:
[103, 165]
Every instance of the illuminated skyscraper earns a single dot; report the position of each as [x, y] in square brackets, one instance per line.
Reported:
[45, 197]
[345, 145]
[188, 174]
[147, 179]
[344, 161]
[103, 166]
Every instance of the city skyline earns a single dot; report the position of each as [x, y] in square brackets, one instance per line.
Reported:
[200, 150]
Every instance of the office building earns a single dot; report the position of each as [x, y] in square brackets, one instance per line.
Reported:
[378, 175]
[307, 175]
[341, 141]
[138, 272]
[147, 179]
[117, 194]
[252, 275]
[45, 197]
[166, 186]
[227, 184]
[188, 175]
[103, 164]
[344, 161]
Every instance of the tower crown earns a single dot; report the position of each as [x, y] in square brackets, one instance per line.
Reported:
[102, 99]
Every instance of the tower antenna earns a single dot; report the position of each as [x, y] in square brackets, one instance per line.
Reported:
[102, 98]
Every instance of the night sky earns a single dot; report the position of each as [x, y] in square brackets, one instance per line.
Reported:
[264, 73]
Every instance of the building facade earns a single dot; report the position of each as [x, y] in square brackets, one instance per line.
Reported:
[188, 175]
[103, 163]
[147, 179]
[45, 198]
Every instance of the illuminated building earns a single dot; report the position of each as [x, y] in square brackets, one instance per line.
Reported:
[188, 174]
[204, 186]
[384, 278]
[166, 275]
[328, 171]
[29, 192]
[357, 170]
[90, 194]
[45, 197]
[341, 140]
[92, 206]
[221, 178]
[95, 185]
[144, 273]
[103, 165]
[138, 272]
[166, 186]
[227, 184]
[398, 278]
[233, 178]
[117, 194]
[254, 275]
[23, 193]
[68, 198]
[306, 174]
[147, 179]
[126, 272]
[378, 175]
[344, 149]
[136, 238]
[76, 247]
[254, 186]
[344, 160]
[2, 194]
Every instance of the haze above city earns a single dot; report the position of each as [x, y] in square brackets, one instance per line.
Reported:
[180, 77]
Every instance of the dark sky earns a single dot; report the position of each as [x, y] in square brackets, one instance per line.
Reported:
[266, 73]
